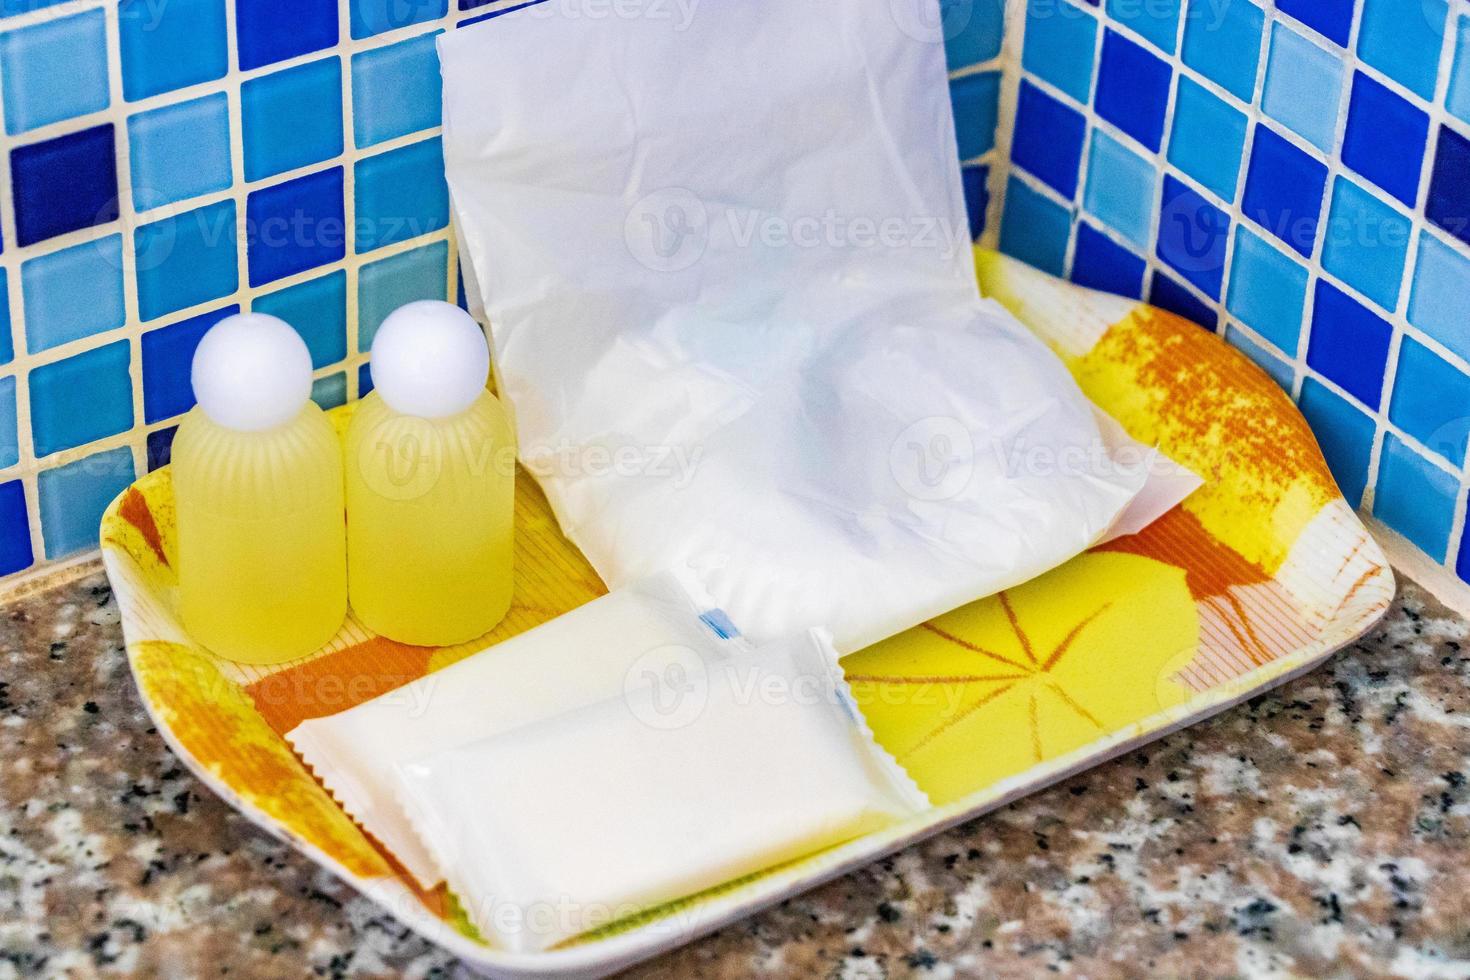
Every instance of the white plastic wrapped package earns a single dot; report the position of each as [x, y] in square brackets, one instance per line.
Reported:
[724, 254]
[584, 656]
[721, 766]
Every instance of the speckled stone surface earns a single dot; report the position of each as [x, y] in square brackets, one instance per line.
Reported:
[1323, 829]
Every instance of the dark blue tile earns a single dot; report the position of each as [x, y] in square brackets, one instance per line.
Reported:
[1167, 294]
[1048, 139]
[364, 380]
[1333, 19]
[168, 355]
[1449, 189]
[472, 4]
[1101, 263]
[63, 184]
[1462, 561]
[976, 181]
[1385, 137]
[161, 447]
[1192, 236]
[1283, 190]
[1133, 89]
[274, 30]
[1349, 344]
[15, 529]
[295, 226]
[166, 46]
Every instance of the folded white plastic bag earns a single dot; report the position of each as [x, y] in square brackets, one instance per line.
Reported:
[719, 768]
[726, 264]
[578, 658]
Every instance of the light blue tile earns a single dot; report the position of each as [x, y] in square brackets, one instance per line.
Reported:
[186, 259]
[369, 17]
[1268, 290]
[395, 90]
[1402, 39]
[7, 343]
[1303, 86]
[292, 117]
[1121, 188]
[1415, 497]
[54, 71]
[1281, 372]
[166, 46]
[197, 131]
[1208, 138]
[1431, 401]
[14, 8]
[317, 309]
[1035, 229]
[400, 194]
[1222, 40]
[331, 391]
[1366, 243]
[1440, 301]
[1061, 46]
[1345, 433]
[9, 436]
[1457, 99]
[384, 286]
[74, 496]
[73, 293]
[1157, 21]
[62, 420]
[973, 31]
[976, 100]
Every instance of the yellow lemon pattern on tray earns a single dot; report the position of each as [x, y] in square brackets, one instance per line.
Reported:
[990, 689]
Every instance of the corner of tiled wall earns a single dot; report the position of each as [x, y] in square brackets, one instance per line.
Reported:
[1292, 175]
[167, 162]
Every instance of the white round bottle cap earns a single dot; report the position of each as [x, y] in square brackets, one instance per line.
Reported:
[430, 359]
[251, 372]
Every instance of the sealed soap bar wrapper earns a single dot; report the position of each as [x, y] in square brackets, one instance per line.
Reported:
[581, 657]
[721, 764]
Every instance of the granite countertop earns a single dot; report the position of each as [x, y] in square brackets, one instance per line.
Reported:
[1320, 829]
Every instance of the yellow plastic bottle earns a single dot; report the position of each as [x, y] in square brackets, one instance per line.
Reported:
[258, 494]
[430, 484]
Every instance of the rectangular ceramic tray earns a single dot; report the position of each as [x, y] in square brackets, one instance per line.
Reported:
[1258, 577]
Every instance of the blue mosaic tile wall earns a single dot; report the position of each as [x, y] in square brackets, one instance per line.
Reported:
[1293, 175]
[165, 163]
